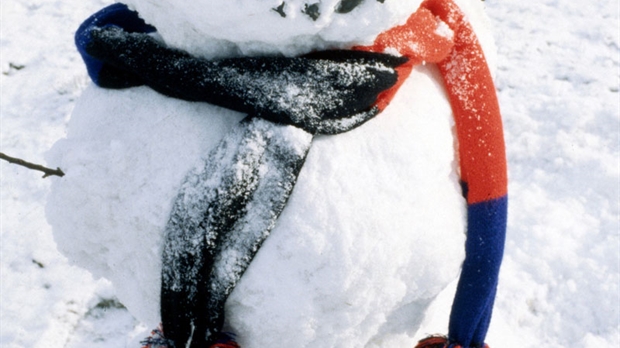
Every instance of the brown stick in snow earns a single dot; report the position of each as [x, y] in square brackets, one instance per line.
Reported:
[47, 171]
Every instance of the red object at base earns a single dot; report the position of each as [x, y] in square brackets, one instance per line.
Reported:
[229, 344]
[433, 342]
[439, 342]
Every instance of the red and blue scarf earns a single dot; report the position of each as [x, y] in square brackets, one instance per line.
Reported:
[482, 155]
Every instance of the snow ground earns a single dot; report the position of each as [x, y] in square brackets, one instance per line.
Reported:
[558, 81]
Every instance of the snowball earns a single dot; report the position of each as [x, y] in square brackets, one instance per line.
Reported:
[373, 230]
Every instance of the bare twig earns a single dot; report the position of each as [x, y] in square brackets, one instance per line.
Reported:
[47, 171]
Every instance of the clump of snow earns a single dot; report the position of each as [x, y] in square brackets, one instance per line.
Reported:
[444, 30]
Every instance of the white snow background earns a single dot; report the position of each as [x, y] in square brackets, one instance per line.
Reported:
[558, 81]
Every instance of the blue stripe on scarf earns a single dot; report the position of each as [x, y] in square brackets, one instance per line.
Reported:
[473, 303]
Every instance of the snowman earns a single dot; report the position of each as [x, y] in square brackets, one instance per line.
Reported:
[298, 173]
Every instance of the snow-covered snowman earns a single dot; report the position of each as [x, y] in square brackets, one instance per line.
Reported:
[301, 173]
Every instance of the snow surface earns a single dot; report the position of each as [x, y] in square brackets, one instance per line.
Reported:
[558, 86]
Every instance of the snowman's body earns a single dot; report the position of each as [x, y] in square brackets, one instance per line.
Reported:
[373, 230]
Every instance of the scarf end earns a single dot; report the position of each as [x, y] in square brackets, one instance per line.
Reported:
[158, 340]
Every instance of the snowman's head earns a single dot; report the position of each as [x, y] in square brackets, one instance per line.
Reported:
[215, 28]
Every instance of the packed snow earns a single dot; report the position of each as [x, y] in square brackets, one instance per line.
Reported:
[558, 71]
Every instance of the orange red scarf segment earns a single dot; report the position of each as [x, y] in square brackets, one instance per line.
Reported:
[440, 33]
